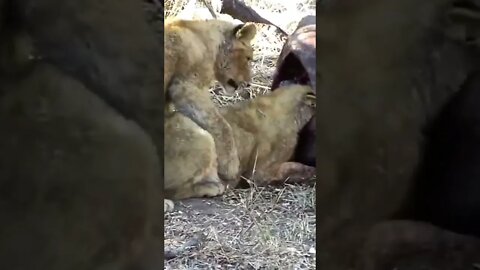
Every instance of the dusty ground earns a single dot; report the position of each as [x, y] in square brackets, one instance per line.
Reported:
[255, 228]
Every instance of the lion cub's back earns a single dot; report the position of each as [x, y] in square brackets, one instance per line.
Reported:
[183, 47]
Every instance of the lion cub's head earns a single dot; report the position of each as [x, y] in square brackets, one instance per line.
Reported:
[232, 66]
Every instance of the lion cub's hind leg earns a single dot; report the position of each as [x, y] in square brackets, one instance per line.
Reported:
[286, 172]
[294, 172]
[190, 160]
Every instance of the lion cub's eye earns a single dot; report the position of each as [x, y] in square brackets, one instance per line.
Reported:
[249, 58]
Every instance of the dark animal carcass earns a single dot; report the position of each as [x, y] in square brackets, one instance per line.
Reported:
[297, 64]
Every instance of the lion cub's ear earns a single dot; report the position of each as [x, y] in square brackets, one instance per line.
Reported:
[464, 22]
[311, 100]
[246, 31]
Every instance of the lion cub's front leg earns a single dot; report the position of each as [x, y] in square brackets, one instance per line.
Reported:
[196, 104]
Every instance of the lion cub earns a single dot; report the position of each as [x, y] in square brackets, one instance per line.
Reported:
[197, 52]
[265, 130]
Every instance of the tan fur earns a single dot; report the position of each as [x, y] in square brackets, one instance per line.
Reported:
[205, 50]
[265, 130]
[196, 53]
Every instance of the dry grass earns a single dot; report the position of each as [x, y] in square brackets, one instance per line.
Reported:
[256, 228]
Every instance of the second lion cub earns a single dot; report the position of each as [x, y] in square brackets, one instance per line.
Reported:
[265, 130]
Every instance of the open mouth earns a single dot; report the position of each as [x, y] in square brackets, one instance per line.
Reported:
[233, 84]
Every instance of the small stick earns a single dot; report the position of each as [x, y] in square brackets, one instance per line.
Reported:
[210, 8]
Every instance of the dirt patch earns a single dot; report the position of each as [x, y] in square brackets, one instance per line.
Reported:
[256, 228]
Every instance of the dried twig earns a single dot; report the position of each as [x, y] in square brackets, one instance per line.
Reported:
[210, 8]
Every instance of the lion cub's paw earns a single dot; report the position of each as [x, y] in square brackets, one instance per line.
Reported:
[209, 188]
[229, 168]
[167, 205]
